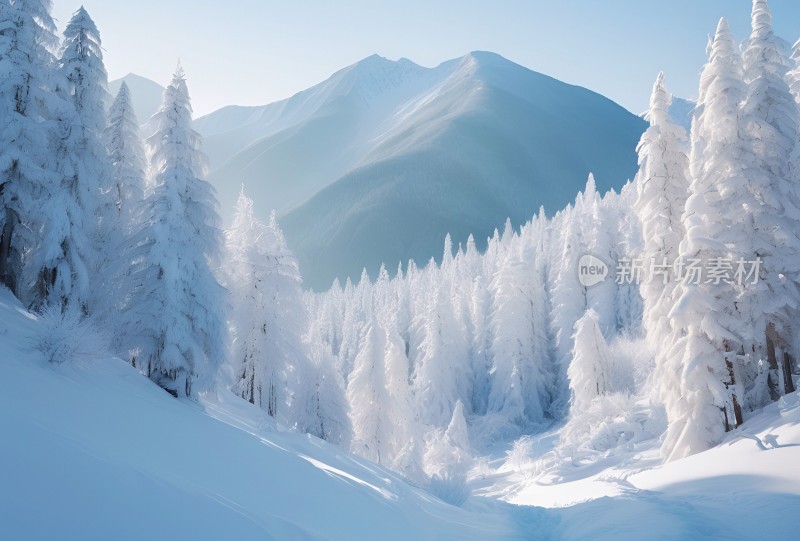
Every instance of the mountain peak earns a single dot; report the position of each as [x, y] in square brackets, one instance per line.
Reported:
[376, 74]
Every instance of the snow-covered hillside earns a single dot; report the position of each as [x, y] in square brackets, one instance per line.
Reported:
[380, 161]
[91, 449]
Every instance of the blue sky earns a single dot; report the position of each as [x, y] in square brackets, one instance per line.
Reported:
[257, 51]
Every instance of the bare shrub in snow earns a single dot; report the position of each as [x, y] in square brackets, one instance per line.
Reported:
[614, 423]
[68, 337]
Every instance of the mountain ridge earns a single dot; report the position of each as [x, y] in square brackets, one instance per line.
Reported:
[455, 148]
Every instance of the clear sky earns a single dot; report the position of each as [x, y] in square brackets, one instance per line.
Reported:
[253, 52]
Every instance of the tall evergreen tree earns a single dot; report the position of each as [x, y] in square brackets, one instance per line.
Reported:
[27, 175]
[127, 156]
[439, 381]
[69, 258]
[771, 200]
[272, 363]
[175, 318]
[368, 398]
[520, 376]
[589, 371]
[662, 187]
[703, 402]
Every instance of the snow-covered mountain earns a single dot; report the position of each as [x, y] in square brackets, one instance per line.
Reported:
[681, 112]
[146, 94]
[380, 161]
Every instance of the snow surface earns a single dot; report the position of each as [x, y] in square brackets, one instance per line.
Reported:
[382, 160]
[746, 488]
[93, 450]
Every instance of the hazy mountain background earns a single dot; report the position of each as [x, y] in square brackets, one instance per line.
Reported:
[379, 162]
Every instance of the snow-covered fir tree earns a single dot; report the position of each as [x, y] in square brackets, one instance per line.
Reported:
[703, 401]
[272, 368]
[70, 255]
[590, 371]
[369, 400]
[438, 380]
[27, 172]
[126, 219]
[175, 318]
[771, 201]
[662, 182]
[126, 152]
[329, 415]
[520, 372]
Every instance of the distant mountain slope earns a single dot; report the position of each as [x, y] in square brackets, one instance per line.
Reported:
[380, 161]
[146, 94]
[681, 111]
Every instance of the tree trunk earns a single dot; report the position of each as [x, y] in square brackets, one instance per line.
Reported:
[773, 377]
[731, 385]
[6, 274]
[787, 373]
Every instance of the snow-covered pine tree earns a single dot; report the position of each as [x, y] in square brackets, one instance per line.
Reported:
[702, 398]
[259, 378]
[520, 376]
[771, 201]
[396, 369]
[127, 156]
[175, 317]
[368, 399]
[127, 217]
[70, 257]
[567, 295]
[630, 310]
[590, 369]
[662, 184]
[272, 365]
[327, 404]
[27, 174]
[439, 378]
[597, 239]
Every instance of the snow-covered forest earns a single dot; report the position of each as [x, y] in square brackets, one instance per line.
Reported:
[422, 369]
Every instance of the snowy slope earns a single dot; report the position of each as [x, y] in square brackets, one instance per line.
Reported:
[747, 488]
[379, 162]
[93, 450]
[146, 94]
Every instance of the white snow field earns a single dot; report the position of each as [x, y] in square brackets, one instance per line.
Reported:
[746, 488]
[89, 449]
[93, 450]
